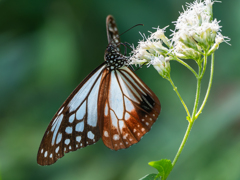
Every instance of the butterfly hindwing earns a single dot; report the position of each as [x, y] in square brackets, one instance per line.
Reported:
[127, 111]
[74, 126]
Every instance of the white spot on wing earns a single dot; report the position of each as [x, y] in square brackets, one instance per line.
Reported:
[80, 126]
[71, 118]
[59, 138]
[78, 138]
[45, 154]
[90, 135]
[68, 130]
[67, 141]
[57, 149]
[125, 136]
[105, 134]
[50, 155]
[116, 137]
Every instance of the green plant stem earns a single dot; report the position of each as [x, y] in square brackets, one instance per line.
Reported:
[186, 65]
[195, 113]
[209, 87]
[190, 124]
[191, 120]
[204, 66]
[196, 99]
[201, 72]
[175, 89]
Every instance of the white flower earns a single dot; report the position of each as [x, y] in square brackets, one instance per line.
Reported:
[219, 39]
[159, 34]
[161, 64]
[153, 52]
[184, 52]
[195, 27]
[151, 47]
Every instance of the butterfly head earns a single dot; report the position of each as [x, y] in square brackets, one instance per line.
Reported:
[114, 59]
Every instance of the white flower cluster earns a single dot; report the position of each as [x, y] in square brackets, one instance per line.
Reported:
[153, 52]
[195, 33]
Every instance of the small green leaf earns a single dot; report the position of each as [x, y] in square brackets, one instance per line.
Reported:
[150, 177]
[164, 167]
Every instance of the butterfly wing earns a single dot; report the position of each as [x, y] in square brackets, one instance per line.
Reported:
[113, 104]
[112, 32]
[74, 126]
[127, 108]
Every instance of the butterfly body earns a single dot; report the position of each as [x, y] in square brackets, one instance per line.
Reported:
[114, 59]
[111, 103]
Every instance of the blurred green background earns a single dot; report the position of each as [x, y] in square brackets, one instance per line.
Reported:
[48, 47]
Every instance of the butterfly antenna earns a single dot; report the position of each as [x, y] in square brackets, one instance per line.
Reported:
[131, 28]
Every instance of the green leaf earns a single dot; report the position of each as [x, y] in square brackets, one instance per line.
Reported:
[164, 167]
[150, 177]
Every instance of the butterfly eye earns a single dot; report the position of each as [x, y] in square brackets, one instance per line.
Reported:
[111, 103]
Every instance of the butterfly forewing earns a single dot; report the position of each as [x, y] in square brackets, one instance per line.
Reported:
[75, 125]
[127, 110]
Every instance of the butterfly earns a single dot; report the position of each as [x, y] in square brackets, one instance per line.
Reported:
[111, 103]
